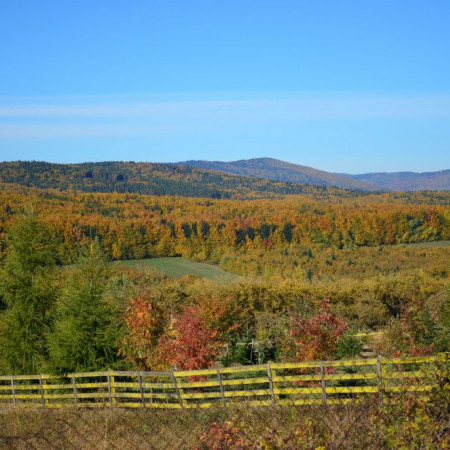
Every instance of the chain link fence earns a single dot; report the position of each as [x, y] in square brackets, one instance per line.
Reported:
[339, 404]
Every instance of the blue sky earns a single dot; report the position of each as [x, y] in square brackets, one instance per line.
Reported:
[345, 86]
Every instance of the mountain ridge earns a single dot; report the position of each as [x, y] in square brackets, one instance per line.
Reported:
[152, 179]
[408, 181]
[246, 178]
[278, 170]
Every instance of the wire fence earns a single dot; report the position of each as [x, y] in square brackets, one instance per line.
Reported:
[302, 383]
[365, 403]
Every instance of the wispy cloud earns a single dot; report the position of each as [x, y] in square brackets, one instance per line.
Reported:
[122, 115]
[33, 131]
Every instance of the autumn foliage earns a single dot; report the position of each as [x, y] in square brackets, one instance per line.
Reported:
[138, 226]
[316, 338]
[146, 321]
[190, 343]
[415, 332]
[192, 338]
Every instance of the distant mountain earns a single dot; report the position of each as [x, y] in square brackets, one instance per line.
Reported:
[154, 179]
[407, 181]
[277, 170]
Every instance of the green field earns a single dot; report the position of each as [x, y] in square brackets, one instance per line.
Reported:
[179, 267]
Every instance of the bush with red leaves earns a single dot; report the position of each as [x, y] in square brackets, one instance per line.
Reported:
[316, 338]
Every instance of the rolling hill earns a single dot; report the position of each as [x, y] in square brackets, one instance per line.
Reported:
[277, 170]
[244, 179]
[407, 181]
[152, 179]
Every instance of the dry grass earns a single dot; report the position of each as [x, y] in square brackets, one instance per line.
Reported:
[367, 425]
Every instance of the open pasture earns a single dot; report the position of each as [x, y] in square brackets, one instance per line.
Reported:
[179, 267]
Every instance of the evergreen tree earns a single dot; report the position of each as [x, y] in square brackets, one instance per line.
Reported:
[86, 328]
[28, 290]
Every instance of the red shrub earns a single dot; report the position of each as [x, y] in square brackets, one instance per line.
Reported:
[316, 338]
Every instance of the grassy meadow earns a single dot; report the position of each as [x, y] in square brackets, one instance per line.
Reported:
[174, 267]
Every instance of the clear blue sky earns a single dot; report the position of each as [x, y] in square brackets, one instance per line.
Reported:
[346, 86]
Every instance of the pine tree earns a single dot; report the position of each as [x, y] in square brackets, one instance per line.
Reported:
[86, 329]
[28, 290]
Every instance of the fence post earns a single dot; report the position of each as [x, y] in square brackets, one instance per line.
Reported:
[13, 390]
[112, 380]
[380, 378]
[324, 384]
[44, 390]
[75, 393]
[222, 389]
[41, 389]
[108, 377]
[141, 389]
[269, 376]
[175, 384]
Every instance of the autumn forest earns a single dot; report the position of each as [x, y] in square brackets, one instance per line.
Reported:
[351, 261]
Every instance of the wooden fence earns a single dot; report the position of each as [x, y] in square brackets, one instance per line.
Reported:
[306, 383]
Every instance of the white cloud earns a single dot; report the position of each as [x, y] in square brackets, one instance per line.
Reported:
[128, 115]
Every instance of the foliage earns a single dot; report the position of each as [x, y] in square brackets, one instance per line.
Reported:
[263, 310]
[348, 346]
[86, 328]
[188, 337]
[27, 285]
[316, 338]
[246, 236]
[271, 331]
[439, 306]
[147, 320]
[421, 328]
[224, 436]
[199, 334]
[189, 343]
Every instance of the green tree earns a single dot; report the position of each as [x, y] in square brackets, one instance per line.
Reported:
[86, 329]
[28, 288]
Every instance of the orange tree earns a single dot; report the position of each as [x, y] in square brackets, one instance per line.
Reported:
[146, 321]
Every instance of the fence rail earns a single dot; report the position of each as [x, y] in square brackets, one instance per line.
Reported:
[304, 383]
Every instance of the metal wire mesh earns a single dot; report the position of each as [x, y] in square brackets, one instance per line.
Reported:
[370, 404]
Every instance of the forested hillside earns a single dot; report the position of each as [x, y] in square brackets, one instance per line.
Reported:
[275, 169]
[137, 226]
[407, 181]
[149, 178]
